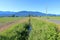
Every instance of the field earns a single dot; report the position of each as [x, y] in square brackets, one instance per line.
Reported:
[51, 17]
[38, 29]
[4, 20]
[43, 30]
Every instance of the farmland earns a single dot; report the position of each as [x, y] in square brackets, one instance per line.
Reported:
[40, 29]
[51, 17]
[4, 20]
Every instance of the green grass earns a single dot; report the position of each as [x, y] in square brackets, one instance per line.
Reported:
[51, 17]
[41, 30]
[8, 19]
[4, 20]
[14, 32]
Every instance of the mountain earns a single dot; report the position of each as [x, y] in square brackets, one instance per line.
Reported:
[25, 13]
[7, 13]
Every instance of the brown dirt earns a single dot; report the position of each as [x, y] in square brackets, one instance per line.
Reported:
[6, 26]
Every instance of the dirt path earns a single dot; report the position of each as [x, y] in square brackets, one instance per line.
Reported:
[54, 21]
[6, 26]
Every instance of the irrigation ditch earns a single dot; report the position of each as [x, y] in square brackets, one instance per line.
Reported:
[24, 35]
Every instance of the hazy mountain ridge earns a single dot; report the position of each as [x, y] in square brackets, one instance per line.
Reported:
[25, 13]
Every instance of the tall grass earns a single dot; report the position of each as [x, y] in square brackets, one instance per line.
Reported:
[42, 30]
[15, 32]
[7, 20]
[51, 17]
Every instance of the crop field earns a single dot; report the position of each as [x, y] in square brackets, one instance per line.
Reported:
[51, 17]
[8, 19]
[38, 29]
[4, 20]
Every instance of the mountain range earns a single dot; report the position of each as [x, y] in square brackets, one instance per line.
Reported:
[25, 13]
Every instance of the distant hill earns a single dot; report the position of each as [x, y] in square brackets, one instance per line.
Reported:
[6, 13]
[25, 13]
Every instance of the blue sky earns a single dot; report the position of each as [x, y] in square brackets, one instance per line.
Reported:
[53, 6]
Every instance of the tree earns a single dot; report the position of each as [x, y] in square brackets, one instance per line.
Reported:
[13, 15]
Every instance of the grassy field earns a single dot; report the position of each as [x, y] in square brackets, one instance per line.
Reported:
[15, 32]
[4, 20]
[40, 30]
[51, 17]
[8, 19]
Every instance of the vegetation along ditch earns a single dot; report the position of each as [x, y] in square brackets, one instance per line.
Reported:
[17, 32]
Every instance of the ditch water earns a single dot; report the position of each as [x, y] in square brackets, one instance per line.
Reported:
[28, 28]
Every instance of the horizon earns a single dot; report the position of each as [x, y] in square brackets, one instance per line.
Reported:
[53, 6]
[27, 11]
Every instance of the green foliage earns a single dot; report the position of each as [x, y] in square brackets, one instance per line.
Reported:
[4, 20]
[16, 32]
[51, 17]
[42, 30]
[13, 15]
